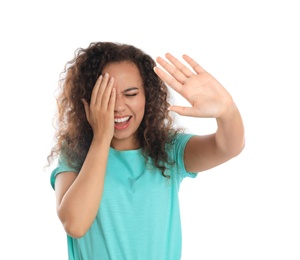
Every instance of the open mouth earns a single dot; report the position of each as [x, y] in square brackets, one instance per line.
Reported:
[122, 122]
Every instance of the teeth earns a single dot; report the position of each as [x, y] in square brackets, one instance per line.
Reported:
[120, 120]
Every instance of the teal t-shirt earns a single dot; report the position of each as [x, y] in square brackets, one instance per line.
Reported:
[138, 217]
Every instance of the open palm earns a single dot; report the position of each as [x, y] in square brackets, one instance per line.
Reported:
[208, 98]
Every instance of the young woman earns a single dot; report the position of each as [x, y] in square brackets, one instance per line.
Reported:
[121, 160]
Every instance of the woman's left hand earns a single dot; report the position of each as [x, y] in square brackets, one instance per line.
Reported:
[208, 98]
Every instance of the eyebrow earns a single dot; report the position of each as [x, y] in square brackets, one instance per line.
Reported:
[130, 89]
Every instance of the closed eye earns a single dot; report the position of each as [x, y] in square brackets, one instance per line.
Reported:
[131, 95]
[131, 92]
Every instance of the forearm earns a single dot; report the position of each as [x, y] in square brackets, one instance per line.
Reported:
[230, 133]
[79, 205]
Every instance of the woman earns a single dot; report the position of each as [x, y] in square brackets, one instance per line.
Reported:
[121, 160]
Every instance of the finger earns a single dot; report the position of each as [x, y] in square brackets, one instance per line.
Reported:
[101, 90]
[95, 90]
[107, 93]
[170, 81]
[112, 100]
[183, 111]
[196, 67]
[86, 108]
[177, 74]
[179, 65]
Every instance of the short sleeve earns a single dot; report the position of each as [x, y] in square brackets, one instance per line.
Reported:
[179, 147]
[62, 166]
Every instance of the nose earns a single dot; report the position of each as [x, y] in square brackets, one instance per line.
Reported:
[119, 104]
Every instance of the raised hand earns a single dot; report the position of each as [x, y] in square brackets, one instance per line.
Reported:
[208, 98]
[100, 111]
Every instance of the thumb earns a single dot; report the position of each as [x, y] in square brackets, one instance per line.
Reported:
[183, 111]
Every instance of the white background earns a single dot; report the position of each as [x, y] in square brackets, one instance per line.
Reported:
[247, 208]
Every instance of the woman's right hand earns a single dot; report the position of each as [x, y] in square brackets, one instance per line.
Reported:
[100, 111]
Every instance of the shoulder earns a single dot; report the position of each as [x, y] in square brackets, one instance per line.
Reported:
[176, 152]
[177, 146]
[180, 140]
[63, 165]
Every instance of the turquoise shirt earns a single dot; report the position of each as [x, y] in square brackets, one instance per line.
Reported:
[138, 217]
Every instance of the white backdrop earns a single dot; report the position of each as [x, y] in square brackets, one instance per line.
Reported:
[245, 209]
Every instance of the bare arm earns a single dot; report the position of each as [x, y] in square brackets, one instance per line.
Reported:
[78, 196]
[205, 152]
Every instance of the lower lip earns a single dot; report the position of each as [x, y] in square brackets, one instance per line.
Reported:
[117, 127]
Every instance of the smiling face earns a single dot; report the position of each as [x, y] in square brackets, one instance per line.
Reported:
[130, 103]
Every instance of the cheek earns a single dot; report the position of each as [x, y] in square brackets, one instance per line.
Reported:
[140, 106]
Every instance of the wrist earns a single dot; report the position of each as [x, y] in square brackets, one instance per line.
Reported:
[101, 141]
[229, 112]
